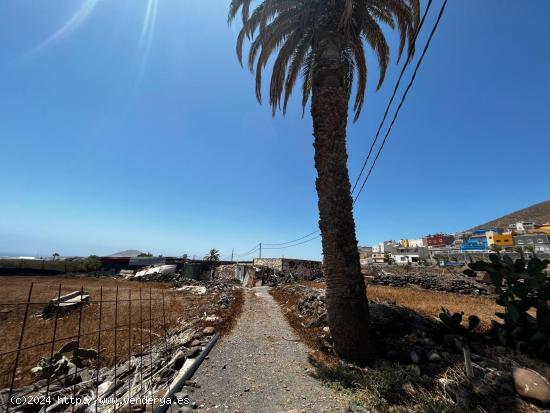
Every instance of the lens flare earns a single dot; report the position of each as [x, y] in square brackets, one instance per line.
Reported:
[74, 22]
[146, 38]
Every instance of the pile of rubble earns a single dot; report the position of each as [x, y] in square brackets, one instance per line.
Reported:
[403, 337]
[448, 283]
[146, 375]
[150, 273]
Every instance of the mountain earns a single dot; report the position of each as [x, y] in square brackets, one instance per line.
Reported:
[538, 213]
[127, 253]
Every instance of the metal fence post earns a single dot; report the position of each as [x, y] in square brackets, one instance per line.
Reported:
[21, 335]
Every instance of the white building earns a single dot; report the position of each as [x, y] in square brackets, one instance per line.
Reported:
[521, 226]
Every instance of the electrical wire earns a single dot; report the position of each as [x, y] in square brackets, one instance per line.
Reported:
[403, 98]
[409, 57]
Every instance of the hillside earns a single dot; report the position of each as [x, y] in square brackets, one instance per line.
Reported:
[539, 213]
[127, 253]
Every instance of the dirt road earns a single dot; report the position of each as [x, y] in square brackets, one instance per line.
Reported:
[261, 366]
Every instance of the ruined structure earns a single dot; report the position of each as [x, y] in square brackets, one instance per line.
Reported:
[302, 269]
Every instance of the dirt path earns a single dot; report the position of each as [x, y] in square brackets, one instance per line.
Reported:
[261, 367]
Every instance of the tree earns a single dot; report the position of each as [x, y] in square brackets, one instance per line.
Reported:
[55, 255]
[324, 41]
[495, 248]
[213, 255]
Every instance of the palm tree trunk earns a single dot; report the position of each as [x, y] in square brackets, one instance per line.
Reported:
[347, 305]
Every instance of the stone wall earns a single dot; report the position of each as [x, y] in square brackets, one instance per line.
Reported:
[303, 269]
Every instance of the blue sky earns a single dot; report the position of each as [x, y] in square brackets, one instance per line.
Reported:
[130, 124]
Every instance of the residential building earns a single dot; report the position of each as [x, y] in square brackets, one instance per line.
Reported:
[544, 228]
[539, 242]
[438, 240]
[412, 243]
[380, 258]
[404, 255]
[477, 241]
[385, 247]
[500, 240]
[521, 226]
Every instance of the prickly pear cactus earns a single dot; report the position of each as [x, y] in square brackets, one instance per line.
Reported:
[523, 290]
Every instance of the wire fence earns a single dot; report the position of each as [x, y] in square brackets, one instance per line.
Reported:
[85, 347]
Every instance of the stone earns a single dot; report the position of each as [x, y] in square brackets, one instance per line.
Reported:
[69, 347]
[195, 343]
[529, 383]
[193, 289]
[326, 329]
[207, 331]
[434, 356]
[193, 352]
[179, 360]
[415, 358]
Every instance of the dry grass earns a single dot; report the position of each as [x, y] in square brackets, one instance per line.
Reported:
[148, 320]
[429, 303]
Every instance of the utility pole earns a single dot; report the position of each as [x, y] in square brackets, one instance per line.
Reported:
[232, 251]
[260, 250]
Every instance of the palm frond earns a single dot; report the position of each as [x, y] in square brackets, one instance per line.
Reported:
[292, 32]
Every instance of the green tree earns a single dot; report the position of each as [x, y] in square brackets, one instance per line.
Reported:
[324, 41]
[55, 255]
[495, 248]
[213, 255]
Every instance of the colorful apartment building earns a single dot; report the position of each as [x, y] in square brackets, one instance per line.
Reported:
[438, 240]
[499, 240]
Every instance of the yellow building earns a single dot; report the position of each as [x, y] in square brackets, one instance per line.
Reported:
[544, 228]
[501, 240]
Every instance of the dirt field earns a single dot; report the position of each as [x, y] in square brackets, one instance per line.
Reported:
[148, 320]
[429, 303]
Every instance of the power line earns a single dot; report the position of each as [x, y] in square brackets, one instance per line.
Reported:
[403, 98]
[392, 97]
[294, 245]
[294, 240]
[253, 250]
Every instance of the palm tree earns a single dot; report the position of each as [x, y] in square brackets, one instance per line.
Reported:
[213, 255]
[324, 41]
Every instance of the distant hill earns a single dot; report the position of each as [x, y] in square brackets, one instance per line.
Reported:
[539, 213]
[127, 253]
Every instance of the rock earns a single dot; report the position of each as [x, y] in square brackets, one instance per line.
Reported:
[69, 347]
[326, 329]
[194, 289]
[193, 352]
[415, 358]
[529, 383]
[461, 395]
[208, 331]
[103, 387]
[195, 343]
[179, 360]
[434, 356]
[454, 341]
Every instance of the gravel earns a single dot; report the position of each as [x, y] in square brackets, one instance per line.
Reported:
[261, 366]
